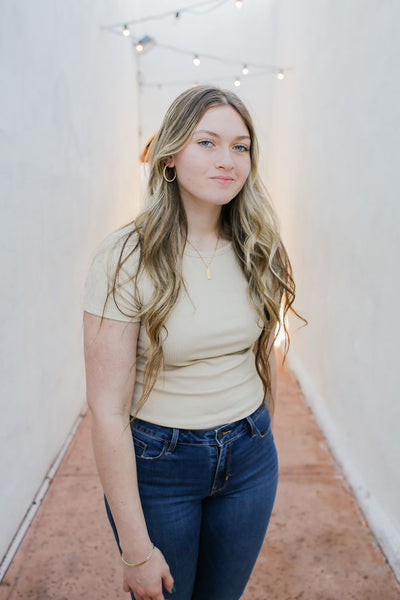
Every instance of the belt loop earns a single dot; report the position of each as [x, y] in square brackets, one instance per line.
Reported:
[174, 440]
[250, 421]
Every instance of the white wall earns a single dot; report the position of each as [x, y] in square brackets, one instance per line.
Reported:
[333, 170]
[69, 175]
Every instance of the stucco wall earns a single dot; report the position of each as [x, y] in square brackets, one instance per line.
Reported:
[69, 175]
[333, 172]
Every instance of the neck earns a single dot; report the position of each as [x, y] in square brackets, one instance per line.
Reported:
[204, 227]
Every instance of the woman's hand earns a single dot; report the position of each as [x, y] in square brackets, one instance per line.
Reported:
[146, 581]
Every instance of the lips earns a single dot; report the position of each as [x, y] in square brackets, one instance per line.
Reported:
[222, 179]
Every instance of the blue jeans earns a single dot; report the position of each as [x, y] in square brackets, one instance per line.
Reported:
[207, 496]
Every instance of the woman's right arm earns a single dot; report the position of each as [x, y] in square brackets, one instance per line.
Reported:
[110, 359]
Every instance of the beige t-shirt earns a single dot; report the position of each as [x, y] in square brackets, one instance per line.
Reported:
[209, 376]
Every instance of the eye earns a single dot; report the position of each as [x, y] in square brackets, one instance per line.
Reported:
[241, 148]
[205, 143]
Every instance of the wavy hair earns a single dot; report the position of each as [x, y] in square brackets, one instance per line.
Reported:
[160, 232]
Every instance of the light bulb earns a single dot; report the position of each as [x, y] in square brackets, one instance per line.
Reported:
[280, 75]
[237, 82]
[245, 70]
[196, 61]
[126, 31]
[239, 4]
[145, 44]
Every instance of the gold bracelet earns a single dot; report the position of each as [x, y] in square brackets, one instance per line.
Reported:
[139, 563]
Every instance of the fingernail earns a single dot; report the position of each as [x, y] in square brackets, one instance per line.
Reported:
[173, 589]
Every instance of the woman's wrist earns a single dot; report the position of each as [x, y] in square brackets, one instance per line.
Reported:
[140, 562]
[137, 553]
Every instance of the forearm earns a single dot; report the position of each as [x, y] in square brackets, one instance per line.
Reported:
[273, 373]
[116, 464]
[272, 368]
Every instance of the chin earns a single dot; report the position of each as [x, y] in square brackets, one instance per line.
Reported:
[220, 201]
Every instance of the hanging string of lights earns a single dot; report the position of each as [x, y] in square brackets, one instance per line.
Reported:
[195, 9]
[144, 44]
[247, 69]
[237, 81]
[196, 57]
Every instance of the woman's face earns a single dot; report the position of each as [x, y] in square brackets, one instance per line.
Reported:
[213, 167]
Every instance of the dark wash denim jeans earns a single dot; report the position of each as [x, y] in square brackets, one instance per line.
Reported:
[207, 497]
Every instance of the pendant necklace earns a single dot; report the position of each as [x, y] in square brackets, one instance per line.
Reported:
[207, 265]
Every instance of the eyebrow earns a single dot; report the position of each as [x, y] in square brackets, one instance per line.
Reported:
[238, 137]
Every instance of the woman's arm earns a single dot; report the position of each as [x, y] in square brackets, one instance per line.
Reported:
[110, 358]
[272, 370]
[272, 367]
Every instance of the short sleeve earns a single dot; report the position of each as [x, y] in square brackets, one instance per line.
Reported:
[98, 298]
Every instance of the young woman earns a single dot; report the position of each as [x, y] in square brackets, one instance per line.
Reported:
[181, 311]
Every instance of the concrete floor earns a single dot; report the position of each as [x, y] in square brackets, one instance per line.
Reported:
[318, 546]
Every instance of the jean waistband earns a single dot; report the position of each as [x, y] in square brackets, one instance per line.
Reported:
[212, 435]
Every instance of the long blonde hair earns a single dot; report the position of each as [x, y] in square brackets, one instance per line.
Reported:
[160, 233]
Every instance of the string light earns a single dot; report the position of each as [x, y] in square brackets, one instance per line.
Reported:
[145, 44]
[198, 9]
[202, 7]
[220, 59]
[217, 79]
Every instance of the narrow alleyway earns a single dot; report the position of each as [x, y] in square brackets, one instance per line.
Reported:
[318, 546]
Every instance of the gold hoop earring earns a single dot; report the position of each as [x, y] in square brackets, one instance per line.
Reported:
[165, 174]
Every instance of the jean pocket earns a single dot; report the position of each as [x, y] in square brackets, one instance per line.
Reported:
[261, 424]
[148, 447]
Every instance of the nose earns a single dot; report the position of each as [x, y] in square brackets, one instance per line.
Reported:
[224, 158]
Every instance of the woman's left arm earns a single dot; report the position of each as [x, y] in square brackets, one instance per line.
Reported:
[272, 366]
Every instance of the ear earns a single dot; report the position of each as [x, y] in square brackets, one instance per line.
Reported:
[171, 162]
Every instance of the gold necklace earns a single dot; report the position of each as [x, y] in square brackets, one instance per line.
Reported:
[207, 265]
